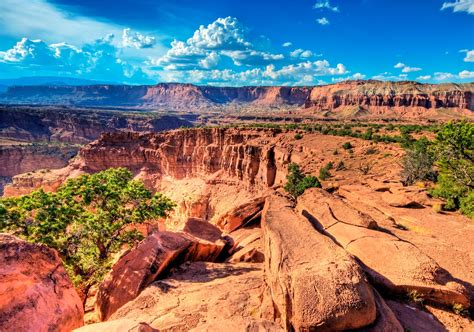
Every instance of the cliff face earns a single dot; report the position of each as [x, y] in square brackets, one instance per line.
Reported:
[239, 154]
[390, 94]
[188, 97]
[76, 126]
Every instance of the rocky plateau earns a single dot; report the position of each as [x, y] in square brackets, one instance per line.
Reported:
[238, 254]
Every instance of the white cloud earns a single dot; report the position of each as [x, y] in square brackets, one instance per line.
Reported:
[42, 20]
[223, 37]
[407, 69]
[323, 21]
[469, 55]
[423, 77]
[460, 6]
[136, 39]
[300, 53]
[325, 4]
[287, 44]
[399, 65]
[440, 76]
[356, 76]
[98, 60]
[466, 74]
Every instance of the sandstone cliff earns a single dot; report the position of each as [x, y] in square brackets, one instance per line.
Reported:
[188, 97]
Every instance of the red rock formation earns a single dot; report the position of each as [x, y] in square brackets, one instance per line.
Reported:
[36, 293]
[188, 97]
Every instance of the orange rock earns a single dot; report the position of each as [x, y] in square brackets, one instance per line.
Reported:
[314, 283]
[35, 291]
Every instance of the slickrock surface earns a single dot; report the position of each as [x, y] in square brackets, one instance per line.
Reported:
[35, 291]
[140, 266]
[314, 283]
[392, 264]
[200, 296]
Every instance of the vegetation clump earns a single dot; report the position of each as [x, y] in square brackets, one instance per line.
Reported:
[347, 146]
[297, 182]
[417, 165]
[88, 220]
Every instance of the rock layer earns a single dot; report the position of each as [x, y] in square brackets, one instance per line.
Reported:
[36, 293]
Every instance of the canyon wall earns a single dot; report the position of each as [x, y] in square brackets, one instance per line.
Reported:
[188, 97]
[62, 124]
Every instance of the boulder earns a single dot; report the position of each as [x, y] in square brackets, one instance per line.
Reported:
[35, 291]
[251, 253]
[393, 265]
[140, 266]
[240, 215]
[201, 296]
[246, 245]
[400, 199]
[314, 284]
[136, 269]
[386, 320]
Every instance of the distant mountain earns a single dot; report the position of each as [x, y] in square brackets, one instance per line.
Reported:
[348, 98]
[47, 80]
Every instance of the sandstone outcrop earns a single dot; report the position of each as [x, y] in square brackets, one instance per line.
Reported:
[314, 284]
[151, 258]
[36, 293]
[240, 215]
[204, 297]
[393, 265]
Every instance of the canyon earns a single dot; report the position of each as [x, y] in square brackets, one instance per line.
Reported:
[348, 98]
[238, 252]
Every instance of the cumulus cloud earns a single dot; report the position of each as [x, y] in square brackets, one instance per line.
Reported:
[462, 75]
[407, 69]
[469, 55]
[225, 37]
[466, 74]
[322, 21]
[356, 76]
[460, 6]
[423, 77]
[399, 65]
[300, 53]
[97, 60]
[325, 4]
[136, 39]
[287, 44]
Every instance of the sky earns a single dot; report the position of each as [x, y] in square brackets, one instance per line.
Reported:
[235, 43]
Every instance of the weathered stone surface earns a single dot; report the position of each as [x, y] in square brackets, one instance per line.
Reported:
[251, 253]
[315, 285]
[202, 296]
[386, 320]
[35, 291]
[119, 325]
[140, 266]
[393, 265]
[413, 319]
[136, 269]
[240, 215]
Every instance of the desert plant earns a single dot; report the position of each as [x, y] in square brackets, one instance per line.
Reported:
[324, 173]
[365, 167]
[297, 182]
[418, 163]
[340, 166]
[347, 146]
[87, 220]
[454, 147]
[298, 136]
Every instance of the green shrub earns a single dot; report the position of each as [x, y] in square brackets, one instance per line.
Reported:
[418, 163]
[298, 136]
[340, 166]
[324, 173]
[454, 148]
[297, 182]
[347, 146]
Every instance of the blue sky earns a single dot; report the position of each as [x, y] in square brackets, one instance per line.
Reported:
[269, 42]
